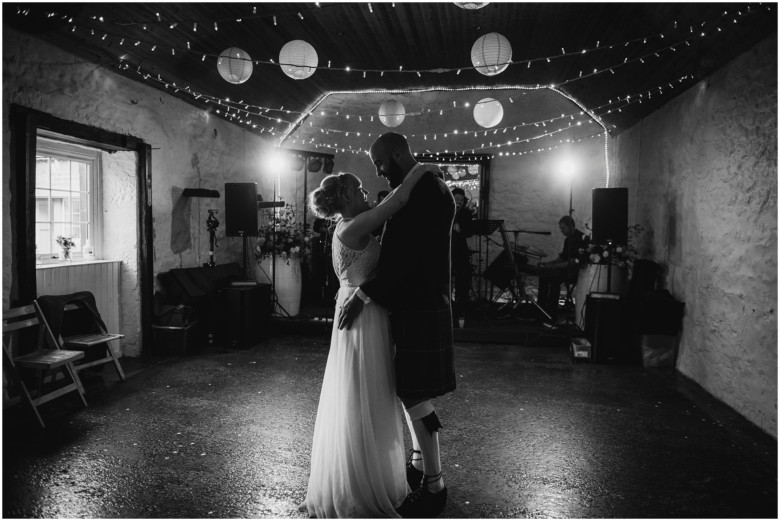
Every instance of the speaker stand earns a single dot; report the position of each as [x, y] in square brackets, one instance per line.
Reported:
[243, 256]
[609, 267]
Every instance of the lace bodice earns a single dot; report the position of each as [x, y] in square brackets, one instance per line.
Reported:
[354, 267]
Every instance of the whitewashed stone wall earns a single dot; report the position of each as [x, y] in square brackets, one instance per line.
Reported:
[703, 173]
[191, 148]
[119, 239]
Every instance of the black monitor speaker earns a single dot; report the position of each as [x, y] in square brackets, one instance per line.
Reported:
[241, 209]
[603, 320]
[610, 215]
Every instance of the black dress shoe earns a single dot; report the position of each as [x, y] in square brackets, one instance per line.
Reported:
[413, 476]
[422, 503]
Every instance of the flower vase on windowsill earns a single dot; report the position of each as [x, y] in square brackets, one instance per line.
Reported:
[66, 243]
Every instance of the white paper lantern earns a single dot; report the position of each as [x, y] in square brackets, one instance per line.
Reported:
[488, 112]
[298, 59]
[234, 65]
[471, 5]
[491, 54]
[392, 113]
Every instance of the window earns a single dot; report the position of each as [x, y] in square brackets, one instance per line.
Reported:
[66, 198]
[469, 173]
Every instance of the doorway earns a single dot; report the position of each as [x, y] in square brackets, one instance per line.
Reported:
[27, 126]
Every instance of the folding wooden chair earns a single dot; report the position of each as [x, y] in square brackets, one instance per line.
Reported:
[17, 323]
[91, 340]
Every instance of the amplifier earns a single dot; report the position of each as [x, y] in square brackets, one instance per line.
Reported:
[246, 313]
[603, 327]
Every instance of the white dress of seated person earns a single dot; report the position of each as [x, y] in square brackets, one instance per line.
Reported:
[357, 457]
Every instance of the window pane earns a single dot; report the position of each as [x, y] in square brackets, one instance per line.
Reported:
[41, 205]
[84, 176]
[81, 211]
[75, 176]
[42, 172]
[60, 205]
[83, 235]
[60, 174]
[64, 197]
[60, 229]
[75, 207]
[43, 240]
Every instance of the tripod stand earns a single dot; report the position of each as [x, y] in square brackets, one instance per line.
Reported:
[514, 282]
[518, 292]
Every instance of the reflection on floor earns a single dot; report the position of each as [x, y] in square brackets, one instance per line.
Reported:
[226, 434]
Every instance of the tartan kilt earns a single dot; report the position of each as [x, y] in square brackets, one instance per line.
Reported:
[424, 352]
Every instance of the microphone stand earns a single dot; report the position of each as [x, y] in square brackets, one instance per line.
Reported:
[211, 224]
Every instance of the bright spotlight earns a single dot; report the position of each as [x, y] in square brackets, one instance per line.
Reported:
[275, 161]
[567, 168]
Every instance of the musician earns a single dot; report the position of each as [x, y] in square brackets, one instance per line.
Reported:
[563, 269]
[461, 263]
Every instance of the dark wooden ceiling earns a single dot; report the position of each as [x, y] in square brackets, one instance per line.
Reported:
[635, 52]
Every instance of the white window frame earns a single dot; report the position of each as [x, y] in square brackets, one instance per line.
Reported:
[67, 151]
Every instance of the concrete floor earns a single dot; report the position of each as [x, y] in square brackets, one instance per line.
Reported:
[227, 433]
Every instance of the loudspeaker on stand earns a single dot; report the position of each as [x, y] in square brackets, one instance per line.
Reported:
[241, 209]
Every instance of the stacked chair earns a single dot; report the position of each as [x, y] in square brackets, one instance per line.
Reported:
[47, 343]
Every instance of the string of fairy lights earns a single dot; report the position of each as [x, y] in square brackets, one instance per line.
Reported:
[582, 75]
[693, 30]
[238, 110]
[606, 108]
[599, 111]
[266, 119]
[612, 105]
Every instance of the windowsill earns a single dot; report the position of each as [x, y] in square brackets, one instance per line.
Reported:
[65, 264]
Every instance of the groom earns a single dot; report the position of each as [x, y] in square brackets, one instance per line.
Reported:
[413, 283]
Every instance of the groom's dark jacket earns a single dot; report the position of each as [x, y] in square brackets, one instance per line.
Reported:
[413, 283]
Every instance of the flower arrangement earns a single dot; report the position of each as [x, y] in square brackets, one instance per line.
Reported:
[621, 256]
[66, 243]
[283, 236]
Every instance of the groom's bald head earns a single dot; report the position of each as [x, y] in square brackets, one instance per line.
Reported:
[392, 157]
[391, 142]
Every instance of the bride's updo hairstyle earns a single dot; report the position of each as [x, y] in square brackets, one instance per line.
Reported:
[328, 200]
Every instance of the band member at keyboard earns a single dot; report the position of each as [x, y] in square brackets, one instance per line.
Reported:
[561, 270]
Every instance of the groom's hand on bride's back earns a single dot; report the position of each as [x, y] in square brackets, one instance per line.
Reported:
[350, 311]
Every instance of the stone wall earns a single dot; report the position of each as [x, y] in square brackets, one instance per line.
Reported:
[703, 178]
[191, 148]
[119, 239]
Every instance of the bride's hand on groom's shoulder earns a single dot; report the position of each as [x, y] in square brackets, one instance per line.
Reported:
[350, 310]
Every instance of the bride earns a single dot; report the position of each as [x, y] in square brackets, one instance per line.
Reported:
[357, 456]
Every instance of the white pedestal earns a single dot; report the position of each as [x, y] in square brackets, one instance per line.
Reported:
[287, 281]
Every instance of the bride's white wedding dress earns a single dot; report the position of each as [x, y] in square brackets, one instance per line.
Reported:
[357, 456]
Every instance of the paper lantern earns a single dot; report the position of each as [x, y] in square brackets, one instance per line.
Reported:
[298, 59]
[491, 54]
[471, 5]
[392, 113]
[488, 112]
[234, 65]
